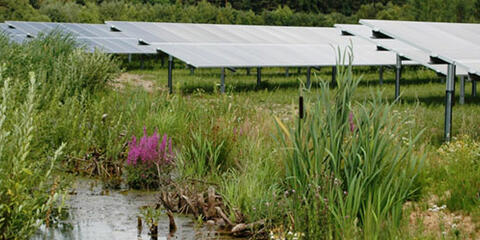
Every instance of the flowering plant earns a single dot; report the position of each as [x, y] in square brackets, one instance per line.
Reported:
[149, 151]
[149, 160]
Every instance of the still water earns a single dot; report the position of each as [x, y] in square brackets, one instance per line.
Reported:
[98, 213]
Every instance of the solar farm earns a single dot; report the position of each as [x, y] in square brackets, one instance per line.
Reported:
[366, 130]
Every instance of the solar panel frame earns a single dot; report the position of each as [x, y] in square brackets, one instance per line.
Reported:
[403, 49]
[452, 40]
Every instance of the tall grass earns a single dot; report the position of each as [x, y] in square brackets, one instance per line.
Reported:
[350, 164]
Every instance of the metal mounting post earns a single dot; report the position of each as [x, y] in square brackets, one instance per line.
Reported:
[287, 74]
[192, 70]
[334, 76]
[170, 68]
[462, 90]
[474, 88]
[309, 72]
[380, 75]
[222, 81]
[129, 58]
[259, 76]
[449, 100]
[398, 75]
[248, 71]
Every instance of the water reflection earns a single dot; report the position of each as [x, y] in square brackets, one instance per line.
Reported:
[96, 213]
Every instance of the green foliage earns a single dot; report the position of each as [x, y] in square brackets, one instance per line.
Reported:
[348, 165]
[51, 111]
[28, 185]
[19, 10]
[142, 177]
[278, 12]
[202, 157]
[456, 172]
[60, 63]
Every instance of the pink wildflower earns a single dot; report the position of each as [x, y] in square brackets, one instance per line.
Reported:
[149, 151]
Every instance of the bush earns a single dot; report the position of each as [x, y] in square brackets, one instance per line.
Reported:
[28, 185]
[348, 166]
[57, 109]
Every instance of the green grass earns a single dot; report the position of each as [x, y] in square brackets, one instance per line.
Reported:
[422, 101]
[423, 92]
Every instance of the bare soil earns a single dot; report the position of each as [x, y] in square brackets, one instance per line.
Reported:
[134, 80]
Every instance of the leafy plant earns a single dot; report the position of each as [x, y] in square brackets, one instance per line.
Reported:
[348, 164]
[202, 157]
[28, 185]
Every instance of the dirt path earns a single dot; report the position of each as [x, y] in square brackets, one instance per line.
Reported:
[134, 80]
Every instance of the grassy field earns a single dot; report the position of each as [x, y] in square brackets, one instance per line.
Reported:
[423, 92]
[353, 168]
[422, 100]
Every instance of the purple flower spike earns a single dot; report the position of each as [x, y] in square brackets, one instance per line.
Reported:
[148, 149]
[351, 122]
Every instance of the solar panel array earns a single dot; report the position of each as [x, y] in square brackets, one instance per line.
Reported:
[92, 36]
[451, 42]
[217, 45]
[403, 49]
[14, 34]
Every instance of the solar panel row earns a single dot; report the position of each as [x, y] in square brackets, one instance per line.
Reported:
[454, 45]
[14, 34]
[404, 49]
[217, 45]
[450, 42]
[92, 36]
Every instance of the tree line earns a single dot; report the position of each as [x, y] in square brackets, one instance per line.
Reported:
[260, 12]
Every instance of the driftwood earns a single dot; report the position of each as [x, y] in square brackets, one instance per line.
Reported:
[172, 227]
[243, 230]
[209, 207]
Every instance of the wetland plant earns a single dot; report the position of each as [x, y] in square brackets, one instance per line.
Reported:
[351, 165]
[149, 160]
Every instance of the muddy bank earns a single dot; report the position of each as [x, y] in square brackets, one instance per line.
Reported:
[98, 213]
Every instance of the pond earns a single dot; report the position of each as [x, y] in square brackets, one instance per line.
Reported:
[99, 213]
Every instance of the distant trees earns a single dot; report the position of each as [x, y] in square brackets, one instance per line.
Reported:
[269, 12]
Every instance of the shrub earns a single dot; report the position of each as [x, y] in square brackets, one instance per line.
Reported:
[348, 166]
[28, 185]
[149, 161]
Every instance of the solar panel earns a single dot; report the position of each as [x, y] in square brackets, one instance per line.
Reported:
[217, 45]
[450, 42]
[13, 34]
[93, 36]
[403, 49]
[203, 55]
